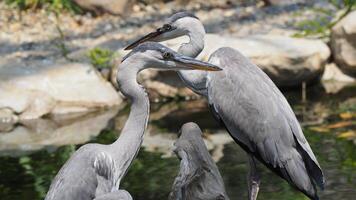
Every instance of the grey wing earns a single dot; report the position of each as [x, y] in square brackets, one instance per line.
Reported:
[76, 179]
[260, 119]
[184, 178]
[115, 195]
[106, 169]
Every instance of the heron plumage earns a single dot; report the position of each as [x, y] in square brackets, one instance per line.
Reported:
[258, 116]
[253, 110]
[94, 171]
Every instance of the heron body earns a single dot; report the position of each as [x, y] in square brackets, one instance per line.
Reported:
[250, 106]
[94, 171]
[199, 177]
[82, 177]
[259, 118]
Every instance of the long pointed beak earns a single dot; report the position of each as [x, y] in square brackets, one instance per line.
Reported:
[191, 63]
[148, 37]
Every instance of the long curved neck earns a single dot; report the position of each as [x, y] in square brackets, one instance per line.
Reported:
[195, 46]
[195, 80]
[126, 147]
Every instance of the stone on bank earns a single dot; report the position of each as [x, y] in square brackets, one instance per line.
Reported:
[343, 44]
[32, 90]
[288, 61]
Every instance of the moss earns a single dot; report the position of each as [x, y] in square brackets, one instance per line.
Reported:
[100, 58]
[53, 5]
[325, 19]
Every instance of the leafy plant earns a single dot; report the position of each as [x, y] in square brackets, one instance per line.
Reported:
[61, 45]
[53, 5]
[325, 20]
[100, 58]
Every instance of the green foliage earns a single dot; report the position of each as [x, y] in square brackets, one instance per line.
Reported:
[43, 174]
[54, 5]
[150, 176]
[325, 20]
[317, 27]
[100, 58]
[29, 176]
[61, 45]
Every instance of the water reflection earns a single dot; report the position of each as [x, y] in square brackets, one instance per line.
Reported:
[32, 153]
[40, 133]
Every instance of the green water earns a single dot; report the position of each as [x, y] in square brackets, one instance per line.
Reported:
[27, 174]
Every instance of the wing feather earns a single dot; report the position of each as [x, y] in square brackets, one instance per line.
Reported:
[76, 179]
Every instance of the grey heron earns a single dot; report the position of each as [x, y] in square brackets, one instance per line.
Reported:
[250, 106]
[94, 171]
[199, 177]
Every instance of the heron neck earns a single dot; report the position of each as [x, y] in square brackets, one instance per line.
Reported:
[195, 80]
[126, 147]
[196, 42]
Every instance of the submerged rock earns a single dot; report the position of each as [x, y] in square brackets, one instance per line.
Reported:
[334, 80]
[343, 43]
[288, 61]
[34, 89]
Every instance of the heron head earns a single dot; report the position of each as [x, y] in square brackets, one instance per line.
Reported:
[189, 129]
[155, 55]
[179, 24]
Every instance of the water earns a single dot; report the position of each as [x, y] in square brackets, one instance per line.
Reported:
[31, 154]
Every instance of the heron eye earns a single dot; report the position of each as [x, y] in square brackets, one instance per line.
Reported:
[167, 55]
[167, 27]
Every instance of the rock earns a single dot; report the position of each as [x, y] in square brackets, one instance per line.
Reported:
[7, 119]
[333, 73]
[35, 89]
[114, 7]
[334, 80]
[283, 2]
[343, 43]
[165, 84]
[334, 87]
[160, 84]
[161, 89]
[7, 116]
[287, 61]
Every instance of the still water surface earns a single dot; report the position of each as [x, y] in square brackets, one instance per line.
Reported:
[31, 154]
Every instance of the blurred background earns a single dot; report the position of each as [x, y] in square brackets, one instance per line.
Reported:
[58, 61]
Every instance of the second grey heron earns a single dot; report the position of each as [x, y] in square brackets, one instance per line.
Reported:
[250, 106]
[94, 171]
[199, 177]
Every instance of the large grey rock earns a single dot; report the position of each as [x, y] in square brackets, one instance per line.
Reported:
[115, 7]
[288, 61]
[34, 89]
[343, 43]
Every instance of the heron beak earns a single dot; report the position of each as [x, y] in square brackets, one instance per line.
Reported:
[191, 63]
[148, 37]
